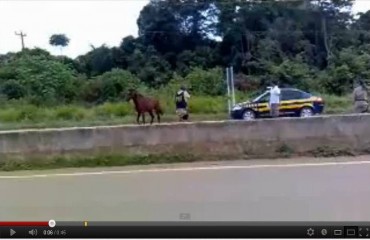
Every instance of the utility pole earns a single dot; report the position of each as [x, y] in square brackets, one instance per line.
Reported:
[230, 88]
[22, 36]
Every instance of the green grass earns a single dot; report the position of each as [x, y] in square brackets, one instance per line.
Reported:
[101, 122]
[16, 115]
[43, 163]
[336, 104]
[117, 160]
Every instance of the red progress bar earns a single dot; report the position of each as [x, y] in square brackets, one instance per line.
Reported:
[24, 224]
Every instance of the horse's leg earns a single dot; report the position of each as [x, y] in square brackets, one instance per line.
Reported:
[152, 116]
[138, 117]
[143, 116]
[159, 117]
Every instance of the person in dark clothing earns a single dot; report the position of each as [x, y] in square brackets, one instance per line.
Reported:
[360, 97]
[181, 101]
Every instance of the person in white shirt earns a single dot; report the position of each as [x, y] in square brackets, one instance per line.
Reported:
[274, 100]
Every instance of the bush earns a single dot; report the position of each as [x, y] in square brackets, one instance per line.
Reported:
[292, 73]
[208, 105]
[209, 82]
[336, 104]
[44, 80]
[339, 80]
[246, 83]
[110, 86]
[12, 89]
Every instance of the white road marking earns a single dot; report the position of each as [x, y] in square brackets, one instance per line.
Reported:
[80, 174]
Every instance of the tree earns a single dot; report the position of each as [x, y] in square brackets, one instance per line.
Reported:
[59, 40]
[97, 61]
[310, 44]
[126, 49]
[159, 26]
[177, 25]
[362, 27]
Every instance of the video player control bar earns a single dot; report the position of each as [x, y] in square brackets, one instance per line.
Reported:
[186, 231]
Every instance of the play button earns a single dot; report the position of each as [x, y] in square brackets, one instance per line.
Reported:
[12, 232]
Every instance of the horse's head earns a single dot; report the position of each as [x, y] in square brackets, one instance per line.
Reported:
[132, 94]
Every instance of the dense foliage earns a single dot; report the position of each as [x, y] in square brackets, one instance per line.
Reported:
[315, 45]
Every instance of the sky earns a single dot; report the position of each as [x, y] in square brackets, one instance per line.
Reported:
[85, 22]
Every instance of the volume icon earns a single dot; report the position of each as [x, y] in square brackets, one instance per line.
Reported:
[33, 232]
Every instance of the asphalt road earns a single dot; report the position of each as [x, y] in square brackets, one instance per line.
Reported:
[271, 190]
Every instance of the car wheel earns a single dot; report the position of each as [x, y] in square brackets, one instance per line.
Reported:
[306, 112]
[249, 115]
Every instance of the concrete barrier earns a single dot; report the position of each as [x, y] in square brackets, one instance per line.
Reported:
[260, 137]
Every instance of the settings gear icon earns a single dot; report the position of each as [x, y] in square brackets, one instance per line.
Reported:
[310, 232]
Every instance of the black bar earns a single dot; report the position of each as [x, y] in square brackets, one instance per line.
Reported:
[213, 223]
[184, 231]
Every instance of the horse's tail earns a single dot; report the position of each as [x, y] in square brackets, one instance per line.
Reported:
[159, 109]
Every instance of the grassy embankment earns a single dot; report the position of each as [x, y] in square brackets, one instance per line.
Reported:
[16, 115]
[110, 160]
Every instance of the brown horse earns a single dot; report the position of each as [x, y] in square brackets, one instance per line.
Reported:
[145, 105]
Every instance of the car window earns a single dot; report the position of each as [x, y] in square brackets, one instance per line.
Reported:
[291, 95]
[306, 95]
[263, 98]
